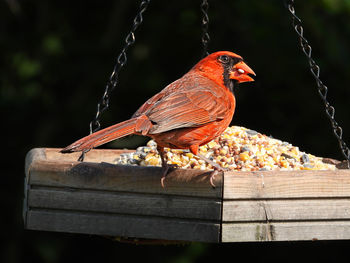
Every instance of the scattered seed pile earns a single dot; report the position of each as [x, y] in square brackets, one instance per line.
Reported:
[238, 148]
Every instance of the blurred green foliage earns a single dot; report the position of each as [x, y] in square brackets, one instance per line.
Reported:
[56, 57]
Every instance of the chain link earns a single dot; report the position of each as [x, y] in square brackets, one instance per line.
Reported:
[322, 89]
[122, 59]
[205, 25]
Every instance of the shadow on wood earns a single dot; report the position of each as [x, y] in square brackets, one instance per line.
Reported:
[117, 200]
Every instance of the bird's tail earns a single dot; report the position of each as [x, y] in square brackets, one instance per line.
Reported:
[134, 125]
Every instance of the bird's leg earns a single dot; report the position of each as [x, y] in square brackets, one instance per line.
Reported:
[165, 165]
[217, 168]
[212, 163]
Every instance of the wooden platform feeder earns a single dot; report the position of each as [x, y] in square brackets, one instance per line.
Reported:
[99, 198]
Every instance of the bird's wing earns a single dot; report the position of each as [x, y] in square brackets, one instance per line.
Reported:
[149, 104]
[186, 104]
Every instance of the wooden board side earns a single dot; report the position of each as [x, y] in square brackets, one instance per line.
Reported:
[93, 156]
[32, 156]
[287, 184]
[123, 225]
[125, 203]
[115, 200]
[285, 231]
[104, 176]
[286, 210]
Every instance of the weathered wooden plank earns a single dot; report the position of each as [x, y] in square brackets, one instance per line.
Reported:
[53, 154]
[105, 199]
[94, 156]
[286, 184]
[104, 176]
[125, 203]
[244, 232]
[286, 209]
[32, 156]
[123, 225]
[285, 231]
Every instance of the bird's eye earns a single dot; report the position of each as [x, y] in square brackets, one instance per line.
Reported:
[224, 59]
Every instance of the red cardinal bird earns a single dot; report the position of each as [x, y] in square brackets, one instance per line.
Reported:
[186, 114]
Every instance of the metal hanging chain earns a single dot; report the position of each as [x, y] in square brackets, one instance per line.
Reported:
[205, 25]
[122, 59]
[322, 89]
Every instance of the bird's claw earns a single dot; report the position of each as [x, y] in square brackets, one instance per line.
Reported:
[162, 181]
[212, 177]
[165, 172]
[215, 172]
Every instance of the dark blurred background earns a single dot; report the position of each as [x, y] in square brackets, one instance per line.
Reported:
[56, 57]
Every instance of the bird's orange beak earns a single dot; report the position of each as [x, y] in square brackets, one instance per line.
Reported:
[241, 71]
